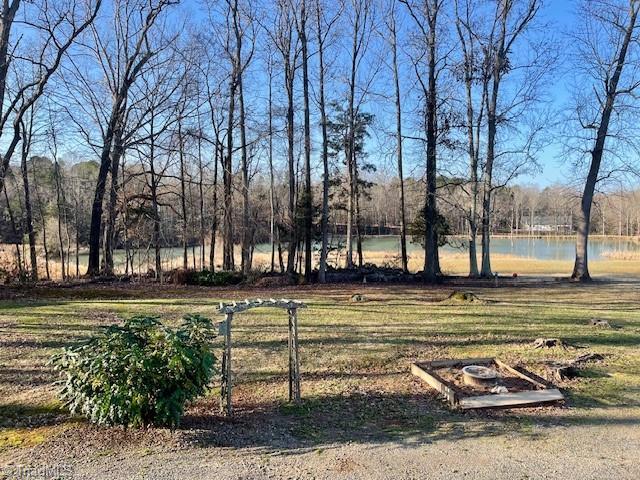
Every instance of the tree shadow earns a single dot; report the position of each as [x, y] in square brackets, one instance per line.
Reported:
[411, 419]
[19, 415]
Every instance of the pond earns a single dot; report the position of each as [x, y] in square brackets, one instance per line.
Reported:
[551, 248]
[535, 248]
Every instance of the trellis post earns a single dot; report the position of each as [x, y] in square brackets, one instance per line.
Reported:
[226, 383]
[294, 362]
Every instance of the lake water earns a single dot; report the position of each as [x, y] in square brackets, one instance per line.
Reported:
[525, 247]
[533, 248]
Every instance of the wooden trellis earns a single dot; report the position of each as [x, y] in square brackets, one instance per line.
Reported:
[229, 309]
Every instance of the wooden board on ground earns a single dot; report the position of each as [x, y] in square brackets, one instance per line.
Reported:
[518, 399]
[540, 393]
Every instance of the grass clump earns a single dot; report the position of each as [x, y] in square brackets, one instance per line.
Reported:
[139, 374]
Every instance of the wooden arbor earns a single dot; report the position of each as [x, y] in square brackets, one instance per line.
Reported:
[229, 309]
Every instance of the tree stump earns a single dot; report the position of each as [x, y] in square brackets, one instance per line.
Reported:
[458, 296]
[564, 372]
[596, 322]
[548, 343]
[570, 370]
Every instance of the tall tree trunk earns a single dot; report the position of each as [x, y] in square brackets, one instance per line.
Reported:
[155, 210]
[322, 272]
[9, 10]
[125, 220]
[29, 211]
[432, 259]
[93, 267]
[272, 193]
[581, 265]
[246, 226]
[201, 202]
[183, 198]
[398, 99]
[350, 147]
[308, 199]
[76, 218]
[358, 218]
[350, 205]
[43, 220]
[228, 262]
[218, 156]
[467, 41]
[293, 233]
[60, 207]
[492, 105]
[15, 231]
[112, 211]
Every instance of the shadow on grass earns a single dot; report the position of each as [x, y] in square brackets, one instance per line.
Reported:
[327, 421]
[407, 419]
[18, 415]
[30, 377]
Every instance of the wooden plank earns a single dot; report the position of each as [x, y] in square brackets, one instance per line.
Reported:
[517, 399]
[523, 375]
[435, 382]
[458, 362]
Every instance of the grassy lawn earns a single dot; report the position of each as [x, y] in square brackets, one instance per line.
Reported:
[356, 384]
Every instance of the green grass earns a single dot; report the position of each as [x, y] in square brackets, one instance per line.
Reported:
[355, 356]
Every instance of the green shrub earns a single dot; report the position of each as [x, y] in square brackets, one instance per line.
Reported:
[138, 374]
[208, 278]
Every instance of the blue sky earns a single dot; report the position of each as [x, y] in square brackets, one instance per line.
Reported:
[560, 16]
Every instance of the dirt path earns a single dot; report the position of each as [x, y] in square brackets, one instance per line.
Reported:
[605, 448]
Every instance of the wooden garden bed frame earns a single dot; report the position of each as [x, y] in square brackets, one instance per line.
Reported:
[224, 328]
[541, 392]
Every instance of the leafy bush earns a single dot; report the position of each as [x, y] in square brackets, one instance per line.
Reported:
[417, 229]
[208, 278]
[138, 374]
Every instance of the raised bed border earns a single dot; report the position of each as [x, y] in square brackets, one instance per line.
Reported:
[542, 392]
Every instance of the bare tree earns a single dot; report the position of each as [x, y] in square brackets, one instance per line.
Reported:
[27, 139]
[361, 17]
[133, 26]
[307, 197]
[508, 26]
[474, 66]
[59, 25]
[393, 41]
[284, 38]
[272, 190]
[323, 28]
[425, 14]
[607, 47]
